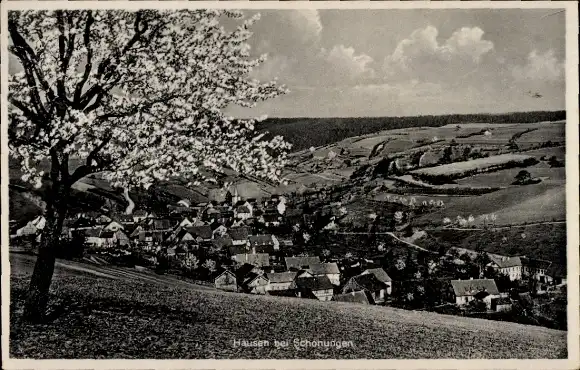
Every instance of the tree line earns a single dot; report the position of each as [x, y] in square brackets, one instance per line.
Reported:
[306, 132]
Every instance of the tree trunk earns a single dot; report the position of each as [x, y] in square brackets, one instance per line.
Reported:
[37, 296]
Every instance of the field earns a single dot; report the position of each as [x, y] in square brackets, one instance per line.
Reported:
[137, 319]
[460, 168]
[501, 201]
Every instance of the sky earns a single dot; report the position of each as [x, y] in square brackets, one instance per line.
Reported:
[404, 62]
[385, 62]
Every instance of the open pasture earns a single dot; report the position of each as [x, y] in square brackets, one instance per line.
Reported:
[459, 168]
[507, 177]
[496, 203]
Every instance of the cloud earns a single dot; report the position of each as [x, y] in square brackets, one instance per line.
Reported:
[540, 67]
[422, 56]
[342, 64]
[282, 31]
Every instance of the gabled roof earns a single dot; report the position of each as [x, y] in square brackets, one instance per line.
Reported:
[505, 262]
[535, 263]
[299, 262]
[239, 233]
[257, 259]
[314, 283]
[237, 249]
[281, 277]
[162, 224]
[140, 213]
[380, 274]
[204, 231]
[242, 209]
[270, 217]
[256, 240]
[324, 268]
[352, 297]
[253, 276]
[223, 241]
[93, 232]
[122, 218]
[463, 288]
[244, 270]
[368, 282]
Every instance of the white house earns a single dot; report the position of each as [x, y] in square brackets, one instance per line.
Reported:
[466, 291]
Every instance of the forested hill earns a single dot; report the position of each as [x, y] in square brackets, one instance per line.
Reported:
[306, 132]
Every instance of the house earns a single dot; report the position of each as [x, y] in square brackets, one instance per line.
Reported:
[368, 283]
[316, 287]
[93, 238]
[255, 283]
[466, 291]
[280, 280]
[139, 215]
[509, 266]
[381, 276]
[257, 259]
[243, 212]
[108, 238]
[200, 232]
[113, 226]
[121, 238]
[352, 297]
[185, 222]
[218, 230]
[270, 219]
[330, 270]
[226, 280]
[298, 263]
[501, 304]
[535, 269]
[160, 224]
[135, 233]
[264, 243]
[239, 235]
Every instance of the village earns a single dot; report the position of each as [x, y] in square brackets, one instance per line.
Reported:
[279, 246]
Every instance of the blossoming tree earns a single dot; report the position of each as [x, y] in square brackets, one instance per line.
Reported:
[138, 96]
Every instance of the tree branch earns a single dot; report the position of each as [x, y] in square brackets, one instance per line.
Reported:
[89, 64]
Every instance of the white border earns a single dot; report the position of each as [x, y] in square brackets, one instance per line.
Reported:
[572, 189]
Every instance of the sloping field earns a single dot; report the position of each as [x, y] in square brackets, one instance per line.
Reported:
[498, 202]
[134, 319]
[458, 168]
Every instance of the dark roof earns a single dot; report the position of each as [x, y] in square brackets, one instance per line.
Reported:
[380, 274]
[243, 209]
[270, 217]
[324, 268]
[503, 300]
[505, 262]
[121, 218]
[244, 270]
[239, 233]
[258, 259]
[299, 262]
[369, 282]
[107, 234]
[94, 232]
[163, 224]
[463, 288]
[140, 213]
[314, 283]
[222, 242]
[253, 276]
[352, 297]
[204, 231]
[237, 249]
[281, 277]
[256, 240]
[535, 263]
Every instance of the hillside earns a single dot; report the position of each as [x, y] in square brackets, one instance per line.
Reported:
[306, 132]
[136, 318]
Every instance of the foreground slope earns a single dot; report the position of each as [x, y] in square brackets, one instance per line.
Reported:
[137, 318]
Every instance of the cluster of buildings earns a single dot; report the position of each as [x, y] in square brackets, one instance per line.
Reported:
[307, 277]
